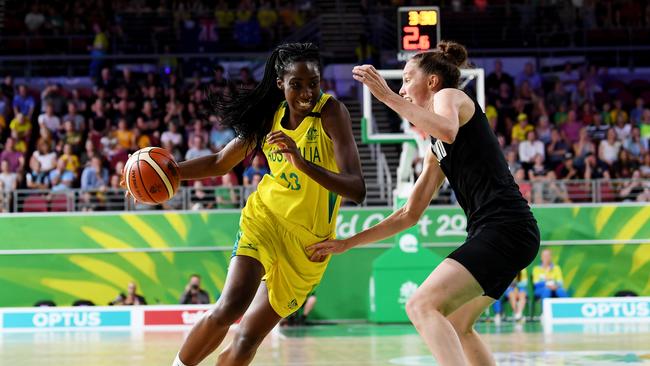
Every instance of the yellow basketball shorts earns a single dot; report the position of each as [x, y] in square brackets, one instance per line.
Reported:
[280, 247]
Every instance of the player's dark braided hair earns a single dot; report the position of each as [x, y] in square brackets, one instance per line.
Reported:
[445, 61]
[250, 113]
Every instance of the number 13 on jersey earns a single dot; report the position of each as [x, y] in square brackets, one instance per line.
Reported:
[292, 181]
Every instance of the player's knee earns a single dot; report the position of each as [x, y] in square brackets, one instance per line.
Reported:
[418, 308]
[245, 344]
[225, 313]
[462, 327]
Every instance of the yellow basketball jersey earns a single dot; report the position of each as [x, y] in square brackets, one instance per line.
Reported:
[291, 194]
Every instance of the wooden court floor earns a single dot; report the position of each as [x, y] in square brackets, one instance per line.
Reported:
[333, 345]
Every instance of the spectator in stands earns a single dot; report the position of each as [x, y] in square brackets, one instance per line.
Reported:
[172, 140]
[609, 148]
[45, 155]
[521, 129]
[547, 278]
[645, 166]
[596, 130]
[94, 176]
[79, 103]
[78, 120]
[197, 148]
[258, 166]
[70, 158]
[23, 103]
[53, 94]
[595, 168]
[123, 136]
[556, 149]
[71, 136]
[61, 178]
[267, 17]
[645, 128]
[543, 129]
[496, 78]
[7, 87]
[252, 184]
[618, 109]
[193, 293]
[21, 129]
[569, 78]
[525, 187]
[530, 148]
[560, 115]
[634, 145]
[98, 50]
[49, 120]
[517, 294]
[199, 199]
[556, 98]
[8, 178]
[225, 194]
[583, 147]
[637, 112]
[219, 135]
[531, 76]
[197, 130]
[632, 188]
[246, 80]
[99, 124]
[606, 109]
[105, 81]
[566, 170]
[571, 128]
[622, 128]
[15, 159]
[624, 165]
[131, 297]
[36, 178]
[512, 160]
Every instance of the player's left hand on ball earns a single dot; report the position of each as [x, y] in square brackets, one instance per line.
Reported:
[321, 250]
[287, 147]
[127, 194]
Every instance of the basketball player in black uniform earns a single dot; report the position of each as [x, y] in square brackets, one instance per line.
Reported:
[503, 237]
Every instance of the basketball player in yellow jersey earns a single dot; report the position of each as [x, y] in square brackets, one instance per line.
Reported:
[307, 139]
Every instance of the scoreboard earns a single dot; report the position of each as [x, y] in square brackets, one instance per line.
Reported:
[418, 29]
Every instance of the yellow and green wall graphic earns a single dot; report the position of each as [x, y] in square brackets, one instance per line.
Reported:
[600, 248]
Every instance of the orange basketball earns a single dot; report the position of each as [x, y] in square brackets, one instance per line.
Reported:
[152, 175]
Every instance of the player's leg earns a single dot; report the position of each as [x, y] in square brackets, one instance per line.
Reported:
[242, 282]
[512, 294]
[258, 321]
[446, 289]
[521, 305]
[463, 319]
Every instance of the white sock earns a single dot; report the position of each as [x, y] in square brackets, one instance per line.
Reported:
[177, 361]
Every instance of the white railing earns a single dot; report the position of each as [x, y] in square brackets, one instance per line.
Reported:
[220, 197]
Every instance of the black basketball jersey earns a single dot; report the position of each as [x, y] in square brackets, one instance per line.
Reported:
[478, 173]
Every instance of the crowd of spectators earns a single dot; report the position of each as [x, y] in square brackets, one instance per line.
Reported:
[61, 139]
[579, 124]
[557, 132]
[184, 25]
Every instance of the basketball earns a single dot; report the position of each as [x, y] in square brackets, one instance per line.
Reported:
[151, 175]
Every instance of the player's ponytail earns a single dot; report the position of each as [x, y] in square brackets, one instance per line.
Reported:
[250, 113]
[445, 61]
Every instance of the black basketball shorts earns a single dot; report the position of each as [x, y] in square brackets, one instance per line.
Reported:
[494, 253]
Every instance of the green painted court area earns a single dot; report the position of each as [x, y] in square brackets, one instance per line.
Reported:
[342, 344]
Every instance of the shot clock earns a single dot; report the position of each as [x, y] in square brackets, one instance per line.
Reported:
[418, 29]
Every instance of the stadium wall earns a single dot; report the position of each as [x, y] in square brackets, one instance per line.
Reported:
[600, 248]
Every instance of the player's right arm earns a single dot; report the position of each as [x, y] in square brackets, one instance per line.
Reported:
[426, 186]
[215, 164]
